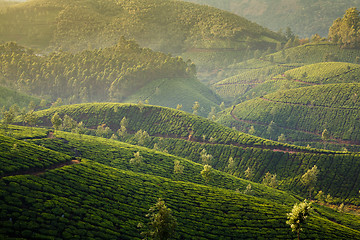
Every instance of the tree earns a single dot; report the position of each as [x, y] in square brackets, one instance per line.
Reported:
[271, 129]
[298, 215]
[212, 113]
[206, 173]
[282, 138]
[270, 180]
[178, 168]
[122, 131]
[222, 106]
[69, 123]
[248, 190]
[56, 121]
[196, 107]
[231, 163]
[345, 31]
[309, 178]
[205, 158]
[249, 173]
[31, 118]
[252, 130]
[161, 224]
[80, 129]
[137, 160]
[179, 107]
[142, 137]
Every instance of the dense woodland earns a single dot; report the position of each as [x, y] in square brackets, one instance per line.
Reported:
[109, 74]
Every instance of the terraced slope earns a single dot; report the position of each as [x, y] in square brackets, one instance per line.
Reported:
[88, 205]
[19, 157]
[262, 76]
[185, 135]
[92, 200]
[309, 110]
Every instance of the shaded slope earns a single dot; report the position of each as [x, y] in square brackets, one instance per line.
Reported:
[171, 92]
[184, 136]
[9, 97]
[84, 196]
[93, 200]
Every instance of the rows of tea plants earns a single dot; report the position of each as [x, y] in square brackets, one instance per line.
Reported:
[334, 107]
[338, 172]
[317, 52]
[326, 72]
[156, 121]
[89, 200]
[19, 156]
[118, 154]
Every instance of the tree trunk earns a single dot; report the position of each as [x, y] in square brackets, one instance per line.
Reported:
[298, 233]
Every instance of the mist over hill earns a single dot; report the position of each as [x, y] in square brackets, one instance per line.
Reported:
[304, 17]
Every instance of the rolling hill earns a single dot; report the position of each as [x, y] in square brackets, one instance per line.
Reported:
[107, 198]
[186, 136]
[272, 72]
[331, 106]
[173, 26]
[305, 18]
[124, 72]
[9, 97]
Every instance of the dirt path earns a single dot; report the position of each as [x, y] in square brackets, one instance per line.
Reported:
[39, 171]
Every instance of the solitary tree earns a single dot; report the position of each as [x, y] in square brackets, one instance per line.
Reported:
[206, 173]
[56, 121]
[231, 163]
[195, 108]
[282, 138]
[249, 173]
[298, 215]
[162, 224]
[325, 136]
[309, 178]
[205, 158]
[137, 160]
[142, 137]
[178, 168]
[270, 180]
[252, 130]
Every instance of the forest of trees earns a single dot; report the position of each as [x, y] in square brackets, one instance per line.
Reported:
[108, 74]
[346, 30]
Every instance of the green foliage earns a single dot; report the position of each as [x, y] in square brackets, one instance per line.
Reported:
[270, 180]
[19, 157]
[162, 224]
[158, 24]
[333, 107]
[346, 30]
[112, 73]
[206, 173]
[298, 215]
[56, 121]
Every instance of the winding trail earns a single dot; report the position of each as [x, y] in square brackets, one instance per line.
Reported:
[39, 171]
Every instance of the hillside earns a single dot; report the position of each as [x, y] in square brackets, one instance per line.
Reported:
[170, 26]
[124, 72]
[334, 107]
[185, 135]
[80, 200]
[261, 76]
[305, 18]
[9, 97]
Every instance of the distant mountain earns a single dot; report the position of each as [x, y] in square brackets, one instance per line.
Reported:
[170, 26]
[304, 17]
